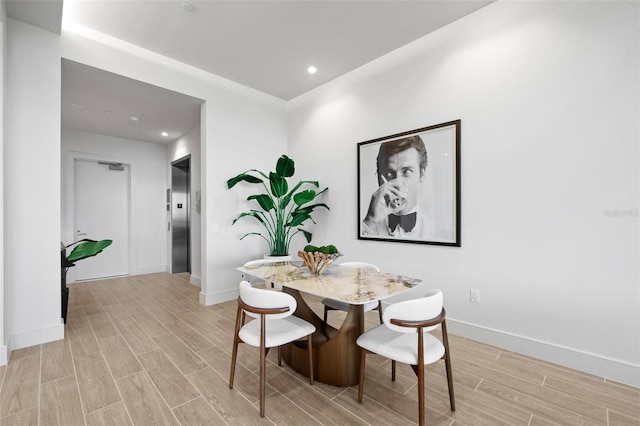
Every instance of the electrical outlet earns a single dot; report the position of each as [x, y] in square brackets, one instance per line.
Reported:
[474, 296]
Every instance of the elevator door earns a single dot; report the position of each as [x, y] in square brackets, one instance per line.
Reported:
[180, 216]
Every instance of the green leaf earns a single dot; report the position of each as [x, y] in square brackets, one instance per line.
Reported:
[284, 201]
[264, 200]
[298, 217]
[242, 177]
[307, 182]
[252, 233]
[253, 213]
[329, 249]
[279, 186]
[88, 249]
[309, 209]
[285, 167]
[321, 192]
[304, 197]
[77, 242]
[307, 234]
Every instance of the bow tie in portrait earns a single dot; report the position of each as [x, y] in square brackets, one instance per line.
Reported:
[406, 222]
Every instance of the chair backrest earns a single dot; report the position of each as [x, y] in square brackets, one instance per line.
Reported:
[362, 265]
[420, 309]
[266, 299]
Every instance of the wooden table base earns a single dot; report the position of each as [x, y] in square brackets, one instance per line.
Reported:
[336, 356]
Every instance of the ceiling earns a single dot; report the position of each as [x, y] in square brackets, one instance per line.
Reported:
[101, 102]
[266, 45]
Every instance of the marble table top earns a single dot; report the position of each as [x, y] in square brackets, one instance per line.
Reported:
[351, 285]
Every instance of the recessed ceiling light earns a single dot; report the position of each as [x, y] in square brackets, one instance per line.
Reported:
[108, 112]
[165, 134]
[78, 106]
[135, 120]
[312, 70]
[187, 6]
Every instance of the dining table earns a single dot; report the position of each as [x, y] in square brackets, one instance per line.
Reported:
[336, 356]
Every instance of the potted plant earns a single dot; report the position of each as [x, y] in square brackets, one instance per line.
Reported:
[84, 248]
[282, 211]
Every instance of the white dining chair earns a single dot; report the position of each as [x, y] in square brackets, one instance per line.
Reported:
[257, 263]
[404, 337]
[336, 305]
[273, 326]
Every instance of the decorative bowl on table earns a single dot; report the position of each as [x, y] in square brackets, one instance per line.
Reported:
[317, 260]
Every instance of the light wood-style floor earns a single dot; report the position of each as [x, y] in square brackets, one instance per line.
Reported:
[141, 350]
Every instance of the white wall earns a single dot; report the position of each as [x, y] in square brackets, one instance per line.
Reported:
[548, 95]
[3, 37]
[32, 186]
[148, 179]
[189, 144]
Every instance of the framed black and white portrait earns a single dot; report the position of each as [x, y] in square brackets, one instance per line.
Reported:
[409, 186]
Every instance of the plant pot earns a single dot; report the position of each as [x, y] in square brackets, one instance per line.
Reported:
[281, 258]
[64, 291]
[65, 303]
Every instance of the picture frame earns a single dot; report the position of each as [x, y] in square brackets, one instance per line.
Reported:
[402, 197]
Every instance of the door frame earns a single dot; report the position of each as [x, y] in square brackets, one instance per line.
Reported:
[68, 222]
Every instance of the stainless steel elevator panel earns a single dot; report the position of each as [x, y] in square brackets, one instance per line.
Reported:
[180, 216]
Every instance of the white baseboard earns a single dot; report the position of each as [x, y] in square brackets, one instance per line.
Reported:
[37, 337]
[151, 270]
[611, 369]
[218, 297]
[195, 280]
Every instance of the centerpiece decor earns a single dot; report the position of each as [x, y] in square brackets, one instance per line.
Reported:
[318, 259]
[282, 211]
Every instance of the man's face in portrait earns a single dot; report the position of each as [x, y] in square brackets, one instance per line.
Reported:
[404, 173]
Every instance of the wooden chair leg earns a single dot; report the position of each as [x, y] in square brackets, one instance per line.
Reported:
[380, 310]
[420, 368]
[393, 371]
[447, 363]
[310, 349]
[234, 353]
[421, 394]
[263, 356]
[363, 356]
[279, 356]
[325, 314]
[452, 400]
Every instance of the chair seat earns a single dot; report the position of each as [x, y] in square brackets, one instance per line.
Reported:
[342, 306]
[279, 331]
[401, 347]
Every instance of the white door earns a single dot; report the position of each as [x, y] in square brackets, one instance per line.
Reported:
[101, 211]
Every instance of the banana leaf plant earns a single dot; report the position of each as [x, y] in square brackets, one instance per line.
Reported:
[282, 211]
[84, 248]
